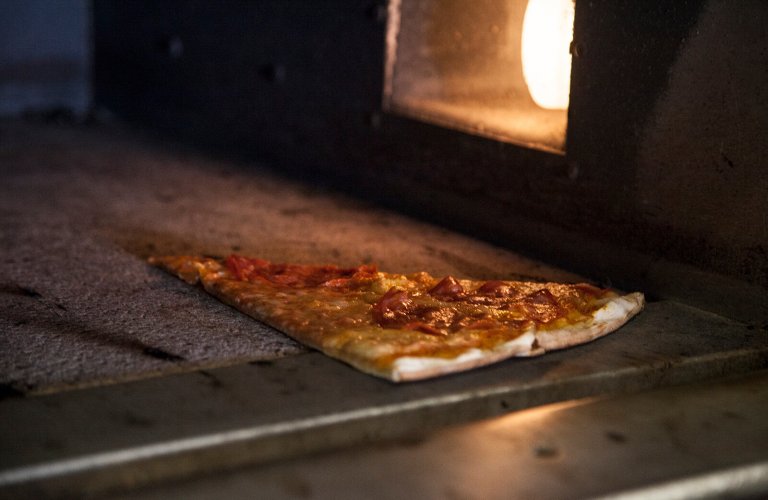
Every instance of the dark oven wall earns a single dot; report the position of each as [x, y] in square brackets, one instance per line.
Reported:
[662, 186]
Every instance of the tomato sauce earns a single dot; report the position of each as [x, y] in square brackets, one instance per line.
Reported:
[436, 308]
[447, 307]
[297, 275]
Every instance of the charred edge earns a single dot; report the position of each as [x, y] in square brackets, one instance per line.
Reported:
[261, 362]
[154, 352]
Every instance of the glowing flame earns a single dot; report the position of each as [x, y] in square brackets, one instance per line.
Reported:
[547, 35]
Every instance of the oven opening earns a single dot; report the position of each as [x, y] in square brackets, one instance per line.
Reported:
[495, 68]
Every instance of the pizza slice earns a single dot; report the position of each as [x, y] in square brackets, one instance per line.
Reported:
[408, 327]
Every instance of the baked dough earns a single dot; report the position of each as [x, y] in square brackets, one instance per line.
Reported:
[409, 327]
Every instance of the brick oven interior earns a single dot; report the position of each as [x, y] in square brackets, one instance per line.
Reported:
[191, 128]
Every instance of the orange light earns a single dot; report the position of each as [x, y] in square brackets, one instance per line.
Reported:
[547, 35]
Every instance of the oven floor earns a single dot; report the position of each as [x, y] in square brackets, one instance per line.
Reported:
[82, 209]
[204, 388]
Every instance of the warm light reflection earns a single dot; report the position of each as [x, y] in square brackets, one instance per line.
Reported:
[547, 35]
[538, 415]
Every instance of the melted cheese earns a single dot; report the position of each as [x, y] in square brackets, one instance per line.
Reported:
[424, 327]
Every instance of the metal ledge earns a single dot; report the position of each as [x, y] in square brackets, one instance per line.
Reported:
[697, 441]
[122, 436]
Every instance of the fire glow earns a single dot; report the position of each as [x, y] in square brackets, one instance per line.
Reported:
[546, 38]
[496, 68]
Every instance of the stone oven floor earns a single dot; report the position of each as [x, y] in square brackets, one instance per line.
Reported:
[82, 209]
[115, 375]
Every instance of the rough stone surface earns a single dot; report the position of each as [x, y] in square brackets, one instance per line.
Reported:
[82, 208]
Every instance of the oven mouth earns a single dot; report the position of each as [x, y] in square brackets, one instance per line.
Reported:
[493, 68]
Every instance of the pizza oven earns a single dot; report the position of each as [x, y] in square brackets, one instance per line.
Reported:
[614, 142]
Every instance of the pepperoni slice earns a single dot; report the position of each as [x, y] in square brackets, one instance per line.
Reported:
[447, 289]
[392, 308]
[542, 306]
[295, 275]
[494, 288]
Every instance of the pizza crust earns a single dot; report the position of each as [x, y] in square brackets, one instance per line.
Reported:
[409, 368]
[611, 316]
[605, 320]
